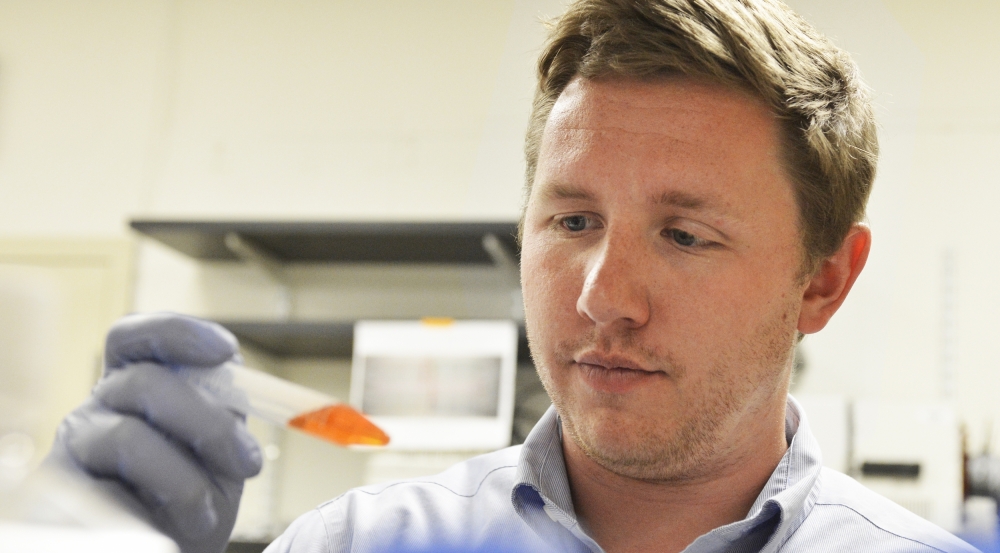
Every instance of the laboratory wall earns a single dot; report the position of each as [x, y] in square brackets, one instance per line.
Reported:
[415, 111]
[921, 322]
[261, 109]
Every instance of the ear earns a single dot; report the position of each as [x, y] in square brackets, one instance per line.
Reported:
[828, 288]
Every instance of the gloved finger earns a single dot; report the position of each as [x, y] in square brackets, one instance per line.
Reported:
[170, 339]
[217, 437]
[164, 477]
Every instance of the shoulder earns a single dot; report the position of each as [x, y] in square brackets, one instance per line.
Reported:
[307, 534]
[460, 505]
[849, 517]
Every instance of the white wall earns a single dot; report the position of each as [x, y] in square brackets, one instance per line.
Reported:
[81, 88]
[260, 109]
[932, 67]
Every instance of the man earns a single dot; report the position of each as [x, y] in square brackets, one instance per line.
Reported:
[697, 174]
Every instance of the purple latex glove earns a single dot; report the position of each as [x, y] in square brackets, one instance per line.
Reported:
[170, 452]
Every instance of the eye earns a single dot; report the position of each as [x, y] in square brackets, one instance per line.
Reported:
[683, 238]
[575, 223]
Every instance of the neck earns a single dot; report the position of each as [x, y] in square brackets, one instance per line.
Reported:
[624, 514]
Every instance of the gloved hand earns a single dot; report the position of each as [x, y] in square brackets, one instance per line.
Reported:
[169, 451]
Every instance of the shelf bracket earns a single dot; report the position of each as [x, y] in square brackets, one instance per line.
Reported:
[507, 264]
[498, 252]
[258, 257]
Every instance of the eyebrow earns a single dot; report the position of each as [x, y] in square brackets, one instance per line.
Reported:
[567, 192]
[682, 200]
[674, 198]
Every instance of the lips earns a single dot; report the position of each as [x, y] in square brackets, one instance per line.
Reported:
[614, 374]
[610, 362]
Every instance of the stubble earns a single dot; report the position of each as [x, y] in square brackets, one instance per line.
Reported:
[690, 437]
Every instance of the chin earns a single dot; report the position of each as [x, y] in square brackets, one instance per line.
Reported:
[636, 447]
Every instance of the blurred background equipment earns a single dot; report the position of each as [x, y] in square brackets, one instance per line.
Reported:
[47, 511]
[915, 454]
[442, 389]
[50, 511]
[912, 454]
[448, 388]
[29, 310]
[437, 384]
[982, 505]
[57, 299]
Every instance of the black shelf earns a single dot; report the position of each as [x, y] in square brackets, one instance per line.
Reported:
[296, 339]
[315, 242]
[327, 339]
[330, 242]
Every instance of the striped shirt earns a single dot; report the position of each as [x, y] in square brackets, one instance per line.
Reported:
[518, 499]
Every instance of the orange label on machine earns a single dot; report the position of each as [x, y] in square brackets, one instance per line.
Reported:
[340, 424]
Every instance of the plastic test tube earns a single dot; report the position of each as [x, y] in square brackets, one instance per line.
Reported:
[285, 403]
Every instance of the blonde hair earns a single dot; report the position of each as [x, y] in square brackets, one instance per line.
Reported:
[813, 87]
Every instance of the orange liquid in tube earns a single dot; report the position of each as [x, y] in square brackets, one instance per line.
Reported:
[278, 401]
[340, 424]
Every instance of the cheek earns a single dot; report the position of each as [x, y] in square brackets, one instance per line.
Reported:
[546, 277]
[551, 286]
[726, 302]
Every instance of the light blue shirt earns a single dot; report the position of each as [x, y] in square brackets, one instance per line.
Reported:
[518, 499]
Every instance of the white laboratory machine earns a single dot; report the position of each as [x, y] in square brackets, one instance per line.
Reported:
[443, 391]
[909, 452]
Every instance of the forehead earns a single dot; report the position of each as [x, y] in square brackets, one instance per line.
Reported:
[680, 110]
[674, 135]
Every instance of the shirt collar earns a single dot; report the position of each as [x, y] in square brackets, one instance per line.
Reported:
[541, 494]
[789, 493]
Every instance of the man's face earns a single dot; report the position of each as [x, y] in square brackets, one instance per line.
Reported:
[661, 271]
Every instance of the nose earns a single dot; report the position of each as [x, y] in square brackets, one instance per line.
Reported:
[615, 291]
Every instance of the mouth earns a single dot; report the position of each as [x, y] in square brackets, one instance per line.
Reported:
[610, 362]
[613, 373]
